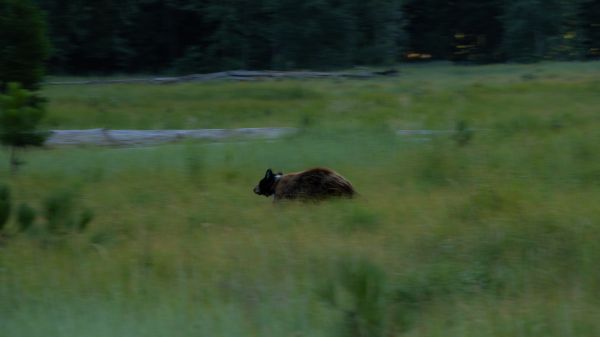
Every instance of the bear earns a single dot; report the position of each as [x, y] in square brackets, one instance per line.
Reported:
[313, 184]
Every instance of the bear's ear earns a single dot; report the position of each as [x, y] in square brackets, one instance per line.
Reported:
[268, 174]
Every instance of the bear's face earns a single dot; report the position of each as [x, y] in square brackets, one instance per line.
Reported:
[266, 186]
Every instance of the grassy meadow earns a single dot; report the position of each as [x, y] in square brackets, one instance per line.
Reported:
[494, 233]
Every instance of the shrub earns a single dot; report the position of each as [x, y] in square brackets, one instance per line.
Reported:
[5, 205]
[62, 216]
[25, 217]
[87, 215]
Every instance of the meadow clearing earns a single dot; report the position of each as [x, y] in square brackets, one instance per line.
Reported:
[494, 233]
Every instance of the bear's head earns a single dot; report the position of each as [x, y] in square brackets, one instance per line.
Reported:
[266, 186]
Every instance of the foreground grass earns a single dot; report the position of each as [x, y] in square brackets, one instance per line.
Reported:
[498, 237]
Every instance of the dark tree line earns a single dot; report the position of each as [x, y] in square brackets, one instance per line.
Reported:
[23, 50]
[23, 44]
[504, 30]
[108, 36]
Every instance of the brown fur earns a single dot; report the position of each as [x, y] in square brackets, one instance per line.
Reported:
[316, 183]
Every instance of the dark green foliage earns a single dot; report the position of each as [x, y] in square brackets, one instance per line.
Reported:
[5, 205]
[87, 215]
[23, 44]
[238, 34]
[429, 31]
[589, 11]
[25, 217]
[477, 30]
[62, 213]
[58, 209]
[192, 61]
[379, 35]
[323, 24]
[526, 27]
[536, 30]
[20, 114]
[188, 36]
[464, 31]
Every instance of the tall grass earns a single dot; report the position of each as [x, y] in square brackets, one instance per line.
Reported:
[433, 96]
[494, 237]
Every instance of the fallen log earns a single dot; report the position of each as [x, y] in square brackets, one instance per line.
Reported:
[106, 137]
[237, 75]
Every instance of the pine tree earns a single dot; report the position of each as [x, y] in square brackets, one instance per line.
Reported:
[313, 34]
[20, 114]
[589, 12]
[23, 44]
[379, 35]
[429, 27]
[477, 30]
[536, 29]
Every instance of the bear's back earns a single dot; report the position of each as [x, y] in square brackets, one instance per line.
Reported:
[315, 183]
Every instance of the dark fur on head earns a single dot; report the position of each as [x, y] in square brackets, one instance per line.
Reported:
[266, 186]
